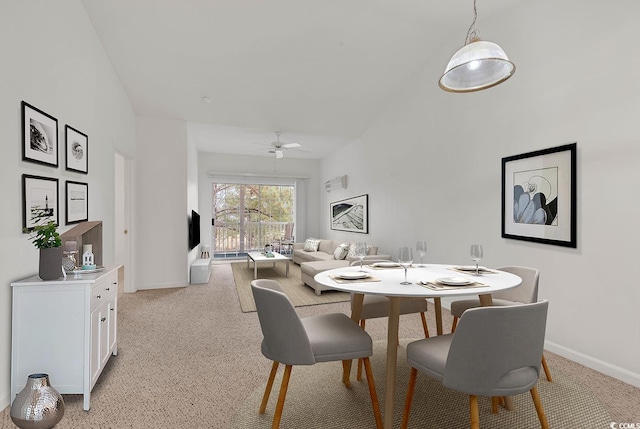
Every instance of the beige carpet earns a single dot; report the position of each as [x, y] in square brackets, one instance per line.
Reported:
[300, 294]
[189, 358]
[317, 399]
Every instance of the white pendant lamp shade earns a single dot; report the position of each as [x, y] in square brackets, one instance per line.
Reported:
[477, 65]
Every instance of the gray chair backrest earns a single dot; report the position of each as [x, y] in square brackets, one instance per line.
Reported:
[527, 292]
[493, 342]
[285, 339]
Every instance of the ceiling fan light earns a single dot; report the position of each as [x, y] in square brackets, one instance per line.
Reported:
[476, 66]
[279, 154]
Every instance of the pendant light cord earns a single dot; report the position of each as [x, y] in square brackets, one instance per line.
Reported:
[472, 33]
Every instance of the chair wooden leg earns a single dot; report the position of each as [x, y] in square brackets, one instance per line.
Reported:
[359, 373]
[546, 369]
[536, 401]
[454, 324]
[283, 394]
[409, 399]
[267, 390]
[495, 403]
[372, 392]
[424, 324]
[346, 368]
[474, 412]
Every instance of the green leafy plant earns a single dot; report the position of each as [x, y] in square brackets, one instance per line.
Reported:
[44, 234]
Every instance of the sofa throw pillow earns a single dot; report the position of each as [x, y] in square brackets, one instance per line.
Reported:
[352, 250]
[341, 251]
[311, 244]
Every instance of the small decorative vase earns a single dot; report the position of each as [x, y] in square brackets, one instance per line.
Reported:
[38, 405]
[50, 263]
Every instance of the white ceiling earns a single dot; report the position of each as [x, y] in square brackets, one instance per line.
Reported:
[319, 71]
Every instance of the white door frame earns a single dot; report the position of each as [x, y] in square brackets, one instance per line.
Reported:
[123, 207]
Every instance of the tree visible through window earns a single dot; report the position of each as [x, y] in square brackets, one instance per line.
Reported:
[246, 217]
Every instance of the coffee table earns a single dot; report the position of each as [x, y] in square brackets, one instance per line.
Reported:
[257, 257]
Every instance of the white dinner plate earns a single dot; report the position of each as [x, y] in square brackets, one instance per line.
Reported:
[386, 264]
[469, 268]
[454, 281]
[355, 275]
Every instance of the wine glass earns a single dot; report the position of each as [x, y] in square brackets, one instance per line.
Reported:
[361, 252]
[421, 249]
[476, 255]
[405, 258]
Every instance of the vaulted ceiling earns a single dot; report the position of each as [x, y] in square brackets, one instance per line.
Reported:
[319, 71]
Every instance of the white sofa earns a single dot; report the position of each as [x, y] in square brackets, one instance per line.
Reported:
[312, 263]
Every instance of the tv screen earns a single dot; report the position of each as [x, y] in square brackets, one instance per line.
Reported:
[194, 230]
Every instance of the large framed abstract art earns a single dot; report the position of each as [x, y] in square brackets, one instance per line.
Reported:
[539, 196]
[351, 215]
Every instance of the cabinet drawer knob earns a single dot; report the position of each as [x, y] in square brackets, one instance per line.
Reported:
[103, 319]
[107, 289]
[98, 296]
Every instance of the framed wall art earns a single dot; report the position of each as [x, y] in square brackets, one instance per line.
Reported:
[351, 215]
[76, 150]
[77, 202]
[39, 194]
[539, 196]
[39, 136]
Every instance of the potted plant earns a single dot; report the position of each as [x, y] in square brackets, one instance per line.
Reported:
[45, 236]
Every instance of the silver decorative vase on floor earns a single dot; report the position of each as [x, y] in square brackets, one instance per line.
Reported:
[38, 405]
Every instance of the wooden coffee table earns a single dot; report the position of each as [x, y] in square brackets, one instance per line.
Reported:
[257, 257]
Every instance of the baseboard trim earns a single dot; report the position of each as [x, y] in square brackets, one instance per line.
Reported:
[606, 368]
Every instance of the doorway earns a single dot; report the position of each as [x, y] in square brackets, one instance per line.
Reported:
[122, 221]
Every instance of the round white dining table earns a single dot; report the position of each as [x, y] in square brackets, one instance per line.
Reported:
[387, 281]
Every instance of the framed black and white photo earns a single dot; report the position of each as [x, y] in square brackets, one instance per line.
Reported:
[351, 215]
[539, 196]
[39, 195]
[76, 150]
[39, 136]
[77, 202]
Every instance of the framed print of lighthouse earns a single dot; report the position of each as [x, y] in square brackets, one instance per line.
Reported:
[39, 194]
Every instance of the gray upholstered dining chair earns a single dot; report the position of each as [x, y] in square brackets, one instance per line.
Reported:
[375, 306]
[526, 293]
[292, 340]
[495, 351]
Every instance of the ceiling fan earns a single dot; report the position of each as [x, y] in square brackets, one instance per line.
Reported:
[279, 147]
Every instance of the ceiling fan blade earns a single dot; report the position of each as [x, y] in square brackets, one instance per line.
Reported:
[291, 145]
[279, 154]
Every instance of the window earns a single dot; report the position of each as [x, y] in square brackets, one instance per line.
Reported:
[246, 217]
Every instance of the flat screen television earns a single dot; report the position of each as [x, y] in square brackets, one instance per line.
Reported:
[194, 229]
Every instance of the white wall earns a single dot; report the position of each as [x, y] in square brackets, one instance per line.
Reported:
[53, 60]
[431, 166]
[209, 163]
[161, 204]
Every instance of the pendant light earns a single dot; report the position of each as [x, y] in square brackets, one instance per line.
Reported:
[477, 65]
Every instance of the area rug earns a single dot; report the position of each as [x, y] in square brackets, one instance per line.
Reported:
[299, 293]
[317, 399]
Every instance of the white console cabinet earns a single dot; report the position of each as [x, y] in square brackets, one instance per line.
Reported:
[66, 328]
